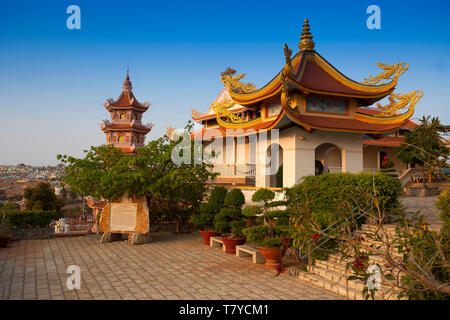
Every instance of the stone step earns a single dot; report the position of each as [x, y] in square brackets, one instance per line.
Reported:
[321, 282]
[338, 277]
[336, 257]
[332, 265]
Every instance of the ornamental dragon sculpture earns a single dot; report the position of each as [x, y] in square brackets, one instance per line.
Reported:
[231, 81]
[391, 72]
[222, 109]
[398, 101]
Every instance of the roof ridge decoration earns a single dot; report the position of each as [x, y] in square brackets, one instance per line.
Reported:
[195, 113]
[391, 72]
[306, 39]
[402, 102]
[222, 109]
[287, 56]
[232, 82]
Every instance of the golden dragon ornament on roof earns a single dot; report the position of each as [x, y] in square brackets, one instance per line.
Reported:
[222, 109]
[398, 101]
[391, 72]
[231, 81]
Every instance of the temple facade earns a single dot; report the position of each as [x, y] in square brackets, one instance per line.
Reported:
[125, 130]
[309, 119]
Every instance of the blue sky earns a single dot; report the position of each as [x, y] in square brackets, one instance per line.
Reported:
[54, 80]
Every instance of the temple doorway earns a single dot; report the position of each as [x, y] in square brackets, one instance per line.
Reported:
[328, 158]
[275, 154]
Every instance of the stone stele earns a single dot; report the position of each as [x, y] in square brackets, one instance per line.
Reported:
[126, 215]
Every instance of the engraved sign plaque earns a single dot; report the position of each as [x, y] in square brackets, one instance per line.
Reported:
[123, 216]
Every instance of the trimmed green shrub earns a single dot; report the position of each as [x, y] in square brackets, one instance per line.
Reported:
[234, 198]
[251, 211]
[263, 195]
[31, 218]
[256, 234]
[224, 222]
[204, 218]
[236, 228]
[275, 222]
[217, 199]
[272, 243]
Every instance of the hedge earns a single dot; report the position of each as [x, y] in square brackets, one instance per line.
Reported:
[328, 191]
[31, 218]
[327, 199]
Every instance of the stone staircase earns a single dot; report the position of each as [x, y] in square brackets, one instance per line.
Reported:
[331, 274]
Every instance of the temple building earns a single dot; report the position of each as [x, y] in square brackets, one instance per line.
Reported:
[125, 130]
[325, 121]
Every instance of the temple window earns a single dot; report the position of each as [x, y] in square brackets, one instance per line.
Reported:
[123, 116]
[121, 139]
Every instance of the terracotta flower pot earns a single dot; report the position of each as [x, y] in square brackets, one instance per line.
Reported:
[272, 255]
[4, 242]
[207, 235]
[230, 244]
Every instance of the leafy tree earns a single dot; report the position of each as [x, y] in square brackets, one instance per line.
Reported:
[174, 190]
[42, 197]
[423, 146]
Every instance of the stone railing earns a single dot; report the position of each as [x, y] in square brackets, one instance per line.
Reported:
[247, 170]
[334, 169]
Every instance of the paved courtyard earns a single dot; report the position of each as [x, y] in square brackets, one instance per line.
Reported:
[170, 267]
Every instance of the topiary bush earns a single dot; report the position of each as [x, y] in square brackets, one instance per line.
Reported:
[204, 218]
[274, 223]
[226, 220]
[263, 195]
[234, 199]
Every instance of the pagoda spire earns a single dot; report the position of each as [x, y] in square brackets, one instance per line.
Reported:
[306, 39]
[127, 83]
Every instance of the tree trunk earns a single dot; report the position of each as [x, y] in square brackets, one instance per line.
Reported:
[424, 176]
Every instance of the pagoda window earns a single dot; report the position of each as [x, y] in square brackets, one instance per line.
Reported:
[121, 139]
[123, 116]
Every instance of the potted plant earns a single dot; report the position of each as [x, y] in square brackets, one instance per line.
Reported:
[229, 220]
[269, 236]
[204, 219]
[5, 234]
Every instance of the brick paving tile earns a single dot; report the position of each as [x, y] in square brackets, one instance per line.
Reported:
[170, 267]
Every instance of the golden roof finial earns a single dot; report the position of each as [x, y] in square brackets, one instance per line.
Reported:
[306, 42]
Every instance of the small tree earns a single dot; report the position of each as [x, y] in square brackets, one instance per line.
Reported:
[274, 224]
[423, 146]
[175, 190]
[42, 197]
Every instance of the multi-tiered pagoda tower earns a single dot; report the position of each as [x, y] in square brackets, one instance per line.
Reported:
[125, 130]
